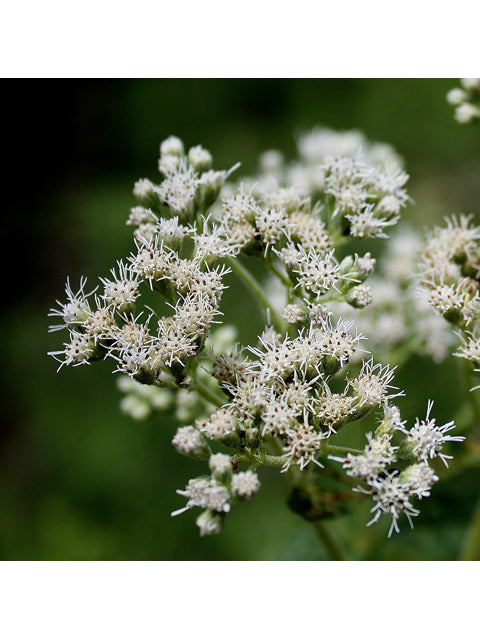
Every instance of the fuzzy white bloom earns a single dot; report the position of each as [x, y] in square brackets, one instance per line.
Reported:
[189, 442]
[271, 223]
[209, 523]
[378, 453]
[466, 113]
[317, 273]
[456, 96]
[245, 484]
[169, 230]
[220, 464]
[293, 313]
[391, 496]
[171, 146]
[426, 439]
[78, 351]
[302, 446]
[179, 188]
[122, 291]
[420, 478]
[140, 215]
[271, 160]
[143, 189]
[366, 224]
[333, 409]
[470, 84]
[278, 418]
[373, 383]
[200, 158]
[221, 424]
[76, 310]
[360, 296]
[470, 349]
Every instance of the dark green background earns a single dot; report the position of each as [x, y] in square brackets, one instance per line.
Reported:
[81, 481]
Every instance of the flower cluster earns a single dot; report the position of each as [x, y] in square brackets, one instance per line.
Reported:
[283, 400]
[394, 475]
[399, 320]
[466, 100]
[449, 280]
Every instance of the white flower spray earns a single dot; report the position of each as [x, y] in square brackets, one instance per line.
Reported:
[281, 401]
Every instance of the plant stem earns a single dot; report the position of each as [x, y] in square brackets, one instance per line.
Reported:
[250, 282]
[328, 541]
[472, 398]
[207, 394]
[262, 458]
[471, 544]
[282, 277]
[328, 448]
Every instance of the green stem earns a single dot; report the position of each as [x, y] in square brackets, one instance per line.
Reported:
[328, 541]
[328, 448]
[250, 282]
[472, 397]
[261, 458]
[281, 276]
[207, 394]
[471, 543]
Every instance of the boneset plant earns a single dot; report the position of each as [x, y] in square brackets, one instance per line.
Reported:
[282, 401]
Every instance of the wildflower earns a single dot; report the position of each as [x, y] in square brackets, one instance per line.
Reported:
[245, 484]
[220, 465]
[76, 310]
[372, 385]
[122, 291]
[189, 442]
[221, 424]
[209, 523]
[378, 453]
[426, 439]
[78, 351]
[391, 496]
[302, 445]
[420, 478]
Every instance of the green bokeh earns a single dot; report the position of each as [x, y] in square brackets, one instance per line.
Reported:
[81, 481]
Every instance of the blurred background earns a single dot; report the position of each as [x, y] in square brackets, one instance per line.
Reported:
[78, 479]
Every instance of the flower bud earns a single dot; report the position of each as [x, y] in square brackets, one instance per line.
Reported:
[209, 523]
[200, 159]
[171, 146]
[189, 442]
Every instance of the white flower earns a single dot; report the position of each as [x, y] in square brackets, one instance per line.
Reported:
[200, 158]
[221, 424]
[318, 273]
[189, 442]
[171, 146]
[378, 453]
[122, 291]
[209, 523]
[372, 385]
[178, 190]
[391, 496]
[169, 230]
[470, 349]
[466, 113]
[420, 478]
[456, 96]
[78, 351]
[366, 224]
[302, 444]
[426, 439]
[220, 464]
[245, 484]
[470, 84]
[76, 310]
